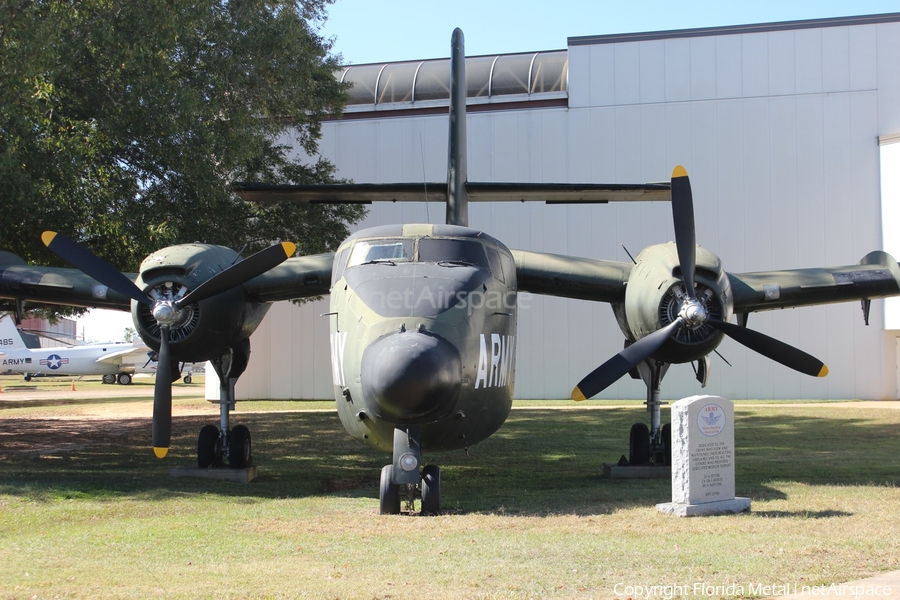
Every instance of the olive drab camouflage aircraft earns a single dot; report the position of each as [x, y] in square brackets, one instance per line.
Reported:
[423, 317]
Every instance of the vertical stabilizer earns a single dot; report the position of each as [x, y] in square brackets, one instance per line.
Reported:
[457, 196]
[10, 337]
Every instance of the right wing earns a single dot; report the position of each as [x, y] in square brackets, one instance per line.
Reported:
[51, 285]
[295, 278]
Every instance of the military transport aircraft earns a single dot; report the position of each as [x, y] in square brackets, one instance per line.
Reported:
[423, 317]
[117, 363]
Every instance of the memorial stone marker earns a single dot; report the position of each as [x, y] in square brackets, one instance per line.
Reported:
[703, 458]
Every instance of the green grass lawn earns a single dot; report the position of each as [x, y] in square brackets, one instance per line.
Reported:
[87, 511]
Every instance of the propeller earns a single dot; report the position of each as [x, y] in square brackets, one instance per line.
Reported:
[692, 314]
[165, 312]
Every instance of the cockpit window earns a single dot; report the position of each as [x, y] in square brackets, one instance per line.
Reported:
[446, 251]
[374, 251]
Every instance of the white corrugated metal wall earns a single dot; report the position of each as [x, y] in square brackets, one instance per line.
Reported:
[779, 132]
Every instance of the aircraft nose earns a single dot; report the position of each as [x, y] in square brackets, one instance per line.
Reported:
[411, 378]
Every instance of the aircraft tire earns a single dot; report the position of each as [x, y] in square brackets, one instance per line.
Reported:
[208, 447]
[240, 451]
[124, 378]
[27, 376]
[109, 378]
[187, 378]
[666, 435]
[388, 493]
[431, 490]
[639, 445]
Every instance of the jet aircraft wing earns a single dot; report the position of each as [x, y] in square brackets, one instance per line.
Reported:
[126, 355]
[366, 193]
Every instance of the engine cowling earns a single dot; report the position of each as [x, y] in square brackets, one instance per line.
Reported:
[654, 296]
[203, 330]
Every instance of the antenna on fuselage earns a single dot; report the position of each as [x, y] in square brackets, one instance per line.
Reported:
[457, 195]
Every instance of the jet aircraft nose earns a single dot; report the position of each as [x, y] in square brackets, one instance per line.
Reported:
[411, 378]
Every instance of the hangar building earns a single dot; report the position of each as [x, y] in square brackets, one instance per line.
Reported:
[791, 135]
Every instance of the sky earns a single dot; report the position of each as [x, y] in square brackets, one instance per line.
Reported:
[371, 31]
[98, 326]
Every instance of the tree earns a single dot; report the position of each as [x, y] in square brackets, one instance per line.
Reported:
[122, 124]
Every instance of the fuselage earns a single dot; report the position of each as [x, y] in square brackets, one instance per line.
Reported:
[423, 333]
[72, 361]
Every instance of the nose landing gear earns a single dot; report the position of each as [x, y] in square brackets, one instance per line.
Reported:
[401, 481]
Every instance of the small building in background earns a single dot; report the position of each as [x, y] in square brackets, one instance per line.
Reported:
[40, 333]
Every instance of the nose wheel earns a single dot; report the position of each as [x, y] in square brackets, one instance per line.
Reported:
[401, 479]
[427, 491]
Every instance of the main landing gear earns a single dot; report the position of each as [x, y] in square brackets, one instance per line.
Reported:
[400, 480]
[223, 446]
[650, 446]
[120, 378]
[653, 445]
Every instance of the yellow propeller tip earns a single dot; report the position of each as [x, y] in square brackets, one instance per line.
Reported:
[679, 171]
[160, 452]
[289, 248]
[823, 372]
[577, 395]
[47, 237]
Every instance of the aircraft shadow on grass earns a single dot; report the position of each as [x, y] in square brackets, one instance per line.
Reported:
[544, 462]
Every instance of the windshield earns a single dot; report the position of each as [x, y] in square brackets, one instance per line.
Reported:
[375, 251]
[444, 251]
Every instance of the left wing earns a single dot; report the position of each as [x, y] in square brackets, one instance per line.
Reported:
[876, 276]
[571, 276]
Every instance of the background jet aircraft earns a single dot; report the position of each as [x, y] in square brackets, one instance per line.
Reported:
[423, 317]
[117, 363]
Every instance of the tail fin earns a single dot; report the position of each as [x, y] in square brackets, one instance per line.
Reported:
[457, 195]
[10, 336]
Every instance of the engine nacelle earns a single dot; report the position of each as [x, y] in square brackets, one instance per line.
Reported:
[203, 330]
[655, 293]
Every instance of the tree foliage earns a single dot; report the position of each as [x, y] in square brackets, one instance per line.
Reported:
[122, 124]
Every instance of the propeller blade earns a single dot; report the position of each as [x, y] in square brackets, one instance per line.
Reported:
[609, 372]
[162, 398]
[683, 218]
[92, 265]
[239, 273]
[776, 350]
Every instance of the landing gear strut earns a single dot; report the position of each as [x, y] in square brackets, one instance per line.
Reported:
[653, 445]
[223, 446]
[400, 480]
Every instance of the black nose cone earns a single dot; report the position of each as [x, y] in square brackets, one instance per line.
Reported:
[411, 378]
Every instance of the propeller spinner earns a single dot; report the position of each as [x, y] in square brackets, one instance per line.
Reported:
[692, 314]
[166, 312]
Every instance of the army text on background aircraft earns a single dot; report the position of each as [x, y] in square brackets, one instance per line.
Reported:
[423, 317]
[117, 363]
